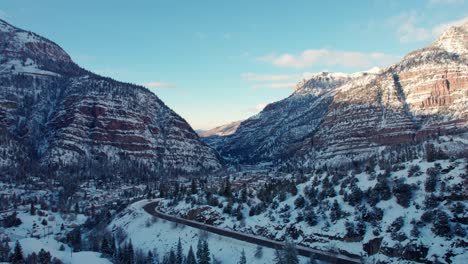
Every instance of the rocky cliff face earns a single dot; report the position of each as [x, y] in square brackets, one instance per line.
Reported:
[58, 115]
[343, 117]
[280, 129]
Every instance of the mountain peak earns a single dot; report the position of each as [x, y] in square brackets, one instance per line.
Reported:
[454, 39]
[318, 83]
[25, 52]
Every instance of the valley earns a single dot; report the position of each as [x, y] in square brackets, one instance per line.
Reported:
[364, 167]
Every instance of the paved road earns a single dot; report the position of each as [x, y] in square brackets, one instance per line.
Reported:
[303, 251]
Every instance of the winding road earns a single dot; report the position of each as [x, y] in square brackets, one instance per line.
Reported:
[303, 251]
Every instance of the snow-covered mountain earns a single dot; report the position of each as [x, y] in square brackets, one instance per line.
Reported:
[57, 116]
[215, 136]
[343, 117]
[223, 130]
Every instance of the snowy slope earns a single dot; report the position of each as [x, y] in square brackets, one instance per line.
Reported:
[365, 216]
[33, 236]
[148, 233]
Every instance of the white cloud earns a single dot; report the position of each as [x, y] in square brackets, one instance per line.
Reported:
[290, 85]
[407, 28]
[159, 85]
[313, 57]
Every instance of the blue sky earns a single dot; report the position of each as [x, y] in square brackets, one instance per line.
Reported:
[219, 61]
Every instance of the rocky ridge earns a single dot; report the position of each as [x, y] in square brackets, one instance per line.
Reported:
[56, 115]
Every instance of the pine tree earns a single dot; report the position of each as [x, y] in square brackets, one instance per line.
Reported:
[4, 251]
[242, 259]
[335, 213]
[179, 254]
[32, 211]
[112, 246]
[119, 255]
[150, 258]
[130, 253]
[199, 249]
[172, 257]
[105, 248]
[193, 187]
[44, 257]
[227, 188]
[203, 252]
[430, 152]
[191, 257]
[77, 208]
[290, 252]
[279, 257]
[32, 258]
[259, 252]
[17, 257]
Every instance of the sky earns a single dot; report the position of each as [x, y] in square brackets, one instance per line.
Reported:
[215, 62]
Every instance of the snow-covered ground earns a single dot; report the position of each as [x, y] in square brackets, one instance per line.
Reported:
[31, 245]
[149, 233]
[34, 236]
[450, 179]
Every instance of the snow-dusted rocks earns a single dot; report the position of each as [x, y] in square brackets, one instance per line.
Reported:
[58, 115]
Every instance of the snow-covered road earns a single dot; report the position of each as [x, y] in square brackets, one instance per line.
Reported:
[303, 251]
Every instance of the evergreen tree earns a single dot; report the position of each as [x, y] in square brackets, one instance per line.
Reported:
[179, 254]
[279, 257]
[335, 213]
[32, 259]
[17, 257]
[105, 248]
[193, 187]
[242, 259]
[430, 152]
[199, 249]
[227, 188]
[74, 238]
[203, 252]
[150, 258]
[191, 257]
[290, 252]
[119, 255]
[113, 249]
[44, 257]
[4, 251]
[130, 253]
[239, 214]
[259, 252]
[32, 211]
[243, 195]
[77, 208]
[172, 257]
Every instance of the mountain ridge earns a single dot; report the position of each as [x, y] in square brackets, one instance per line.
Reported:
[65, 116]
[340, 119]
